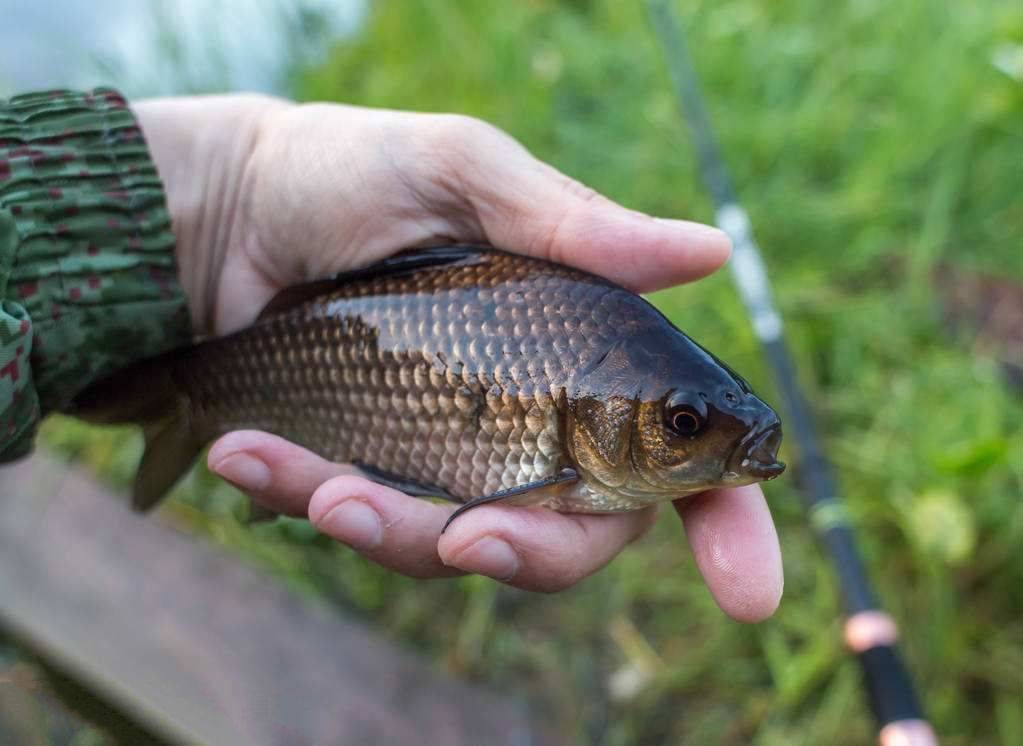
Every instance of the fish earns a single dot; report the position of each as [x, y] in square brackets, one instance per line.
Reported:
[464, 373]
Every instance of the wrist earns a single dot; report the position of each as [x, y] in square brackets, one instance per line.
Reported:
[202, 148]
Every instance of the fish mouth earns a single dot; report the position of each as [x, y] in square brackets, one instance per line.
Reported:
[757, 453]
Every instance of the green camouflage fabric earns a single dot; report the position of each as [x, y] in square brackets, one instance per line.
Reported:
[88, 281]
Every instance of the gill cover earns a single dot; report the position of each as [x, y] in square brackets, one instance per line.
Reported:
[600, 427]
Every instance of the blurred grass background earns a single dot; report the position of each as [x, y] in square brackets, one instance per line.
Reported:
[870, 142]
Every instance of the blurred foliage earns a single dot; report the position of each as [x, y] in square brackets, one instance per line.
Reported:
[869, 141]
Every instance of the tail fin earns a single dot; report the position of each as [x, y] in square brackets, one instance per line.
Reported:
[146, 394]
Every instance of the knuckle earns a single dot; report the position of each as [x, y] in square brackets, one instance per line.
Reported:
[579, 190]
[459, 130]
[456, 141]
[550, 238]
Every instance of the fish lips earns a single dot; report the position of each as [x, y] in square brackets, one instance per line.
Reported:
[757, 453]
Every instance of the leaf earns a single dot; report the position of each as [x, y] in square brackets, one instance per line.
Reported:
[973, 458]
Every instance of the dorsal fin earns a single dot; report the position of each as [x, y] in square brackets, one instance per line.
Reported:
[294, 296]
[399, 264]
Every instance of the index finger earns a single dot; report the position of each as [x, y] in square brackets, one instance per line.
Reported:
[538, 549]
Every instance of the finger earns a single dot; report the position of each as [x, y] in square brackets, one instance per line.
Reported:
[537, 549]
[383, 524]
[525, 205]
[736, 548]
[272, 471]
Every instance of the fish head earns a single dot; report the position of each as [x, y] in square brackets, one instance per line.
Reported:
[713, 431]
[659, 421]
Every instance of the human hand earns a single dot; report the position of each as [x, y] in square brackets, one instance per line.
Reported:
[265, 194]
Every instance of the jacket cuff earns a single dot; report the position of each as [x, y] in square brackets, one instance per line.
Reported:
[88, 280]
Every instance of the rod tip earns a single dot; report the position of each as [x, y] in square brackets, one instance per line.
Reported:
[908, 733]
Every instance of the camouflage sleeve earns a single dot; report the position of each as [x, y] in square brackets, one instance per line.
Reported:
[88, 280]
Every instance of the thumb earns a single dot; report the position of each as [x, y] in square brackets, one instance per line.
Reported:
[525, 205]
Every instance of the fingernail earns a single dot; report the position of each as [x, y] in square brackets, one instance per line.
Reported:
[354, 523]
[244, 471]
[489, 556]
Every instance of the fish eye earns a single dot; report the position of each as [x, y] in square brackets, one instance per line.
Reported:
[684, 420]
[731, 398]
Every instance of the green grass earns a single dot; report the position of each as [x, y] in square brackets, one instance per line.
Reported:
[869, 141]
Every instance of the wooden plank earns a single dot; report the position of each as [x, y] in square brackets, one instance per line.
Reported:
[200, 648]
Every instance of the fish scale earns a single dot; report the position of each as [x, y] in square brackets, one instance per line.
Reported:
[449, 377]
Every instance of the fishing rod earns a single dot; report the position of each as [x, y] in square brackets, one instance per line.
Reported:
[870, 633]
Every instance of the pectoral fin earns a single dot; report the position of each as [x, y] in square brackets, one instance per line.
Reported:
[533, 493]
